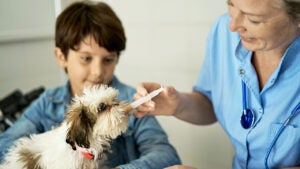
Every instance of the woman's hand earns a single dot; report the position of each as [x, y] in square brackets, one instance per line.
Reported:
[166, 103]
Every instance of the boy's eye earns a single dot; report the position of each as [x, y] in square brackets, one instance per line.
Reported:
[108, 60]
[86, 58]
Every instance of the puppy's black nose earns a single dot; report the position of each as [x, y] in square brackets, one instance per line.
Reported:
[72, 144]
[73, 147]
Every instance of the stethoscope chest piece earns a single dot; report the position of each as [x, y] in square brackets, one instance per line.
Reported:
[247, 118]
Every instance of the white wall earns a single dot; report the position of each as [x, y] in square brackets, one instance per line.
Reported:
[166, 44]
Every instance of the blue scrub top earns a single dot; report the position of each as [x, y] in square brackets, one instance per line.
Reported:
[226, 63]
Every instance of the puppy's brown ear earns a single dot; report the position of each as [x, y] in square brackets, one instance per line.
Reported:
[82, 122]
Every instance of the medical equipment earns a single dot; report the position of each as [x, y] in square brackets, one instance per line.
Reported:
[144, 99]
[247, 118]
[293, 114]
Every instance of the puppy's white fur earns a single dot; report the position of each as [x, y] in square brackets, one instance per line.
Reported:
[93, 119]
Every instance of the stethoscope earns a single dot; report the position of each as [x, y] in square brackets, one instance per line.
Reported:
[248, 118]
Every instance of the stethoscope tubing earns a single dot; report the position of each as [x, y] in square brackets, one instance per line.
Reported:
[244, 96]
[293, 113]
[279, 132]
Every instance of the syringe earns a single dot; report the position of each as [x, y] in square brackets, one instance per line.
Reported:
[142, 100]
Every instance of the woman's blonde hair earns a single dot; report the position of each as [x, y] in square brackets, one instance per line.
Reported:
[293, 9]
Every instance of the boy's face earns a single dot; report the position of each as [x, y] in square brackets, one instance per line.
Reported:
[89, 65]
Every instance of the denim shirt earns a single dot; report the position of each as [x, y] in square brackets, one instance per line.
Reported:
[144, 145]
[227, 63]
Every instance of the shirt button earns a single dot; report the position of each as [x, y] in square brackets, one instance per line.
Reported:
[260, 110]
[241, 71]
[273, 80]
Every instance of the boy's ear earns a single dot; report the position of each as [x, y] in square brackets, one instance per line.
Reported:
[60, 57]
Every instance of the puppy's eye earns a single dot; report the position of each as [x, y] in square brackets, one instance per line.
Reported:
[101, 107]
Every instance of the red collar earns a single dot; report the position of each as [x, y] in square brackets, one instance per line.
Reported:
[88, 155]
[85, 152]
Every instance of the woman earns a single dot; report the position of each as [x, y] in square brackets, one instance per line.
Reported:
[249, 83]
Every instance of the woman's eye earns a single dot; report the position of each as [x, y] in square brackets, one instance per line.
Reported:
[254, 22]
[102, 107]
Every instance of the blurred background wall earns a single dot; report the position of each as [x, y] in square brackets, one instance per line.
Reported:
[166, 44]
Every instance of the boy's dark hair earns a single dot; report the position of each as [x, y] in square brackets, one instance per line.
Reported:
[85, 18]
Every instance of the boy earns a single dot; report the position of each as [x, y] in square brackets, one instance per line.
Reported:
[89, 38]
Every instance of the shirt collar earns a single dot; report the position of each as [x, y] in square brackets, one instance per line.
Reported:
[241, 53]
[291, 57]
[63, 95]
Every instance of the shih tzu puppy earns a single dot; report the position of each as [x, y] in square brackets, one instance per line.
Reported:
[80, 142]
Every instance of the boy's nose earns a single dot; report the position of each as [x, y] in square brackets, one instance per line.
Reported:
[97, 69]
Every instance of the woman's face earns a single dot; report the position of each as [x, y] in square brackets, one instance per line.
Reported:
[89, 65]
[262, 24]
